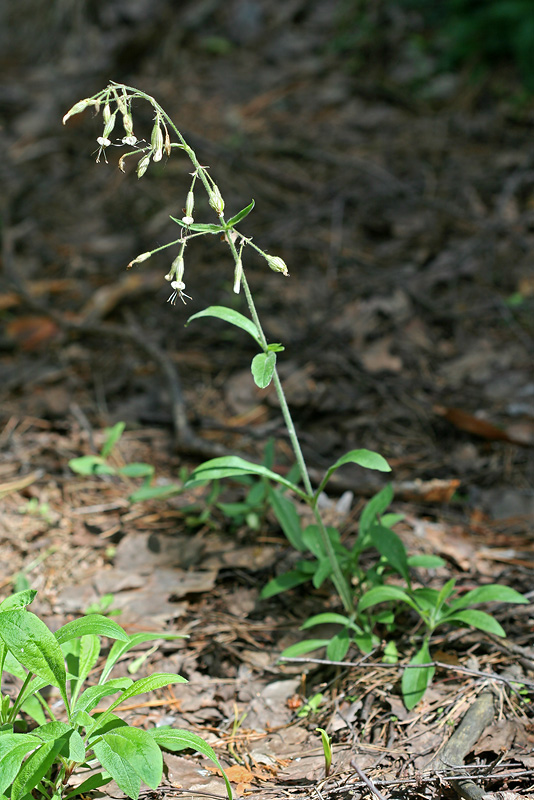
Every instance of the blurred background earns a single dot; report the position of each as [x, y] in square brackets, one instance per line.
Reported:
[388, 146]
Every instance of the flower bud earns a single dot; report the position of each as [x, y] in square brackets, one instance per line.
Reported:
[237, 276]
[143, 165]
[106, 113]
[189, 204]
[108, 127]
[127, 124]
[277, 264]
[78, 107]
[139, 259]
[215, 200]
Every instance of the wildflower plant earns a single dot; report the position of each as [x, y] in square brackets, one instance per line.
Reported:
[74, 738]
[326, 556]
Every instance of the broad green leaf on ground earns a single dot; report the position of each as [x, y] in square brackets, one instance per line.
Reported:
[364, 458]
[231, 316]
[136, 470]
[301, 648]
[235, 467]
[95, 624]
[476, 619]
[494, 593]
[382, 594]
[426, 561]
[34, 646]
[262, 368]
[174, 739]
[415, 680]
[127, 749]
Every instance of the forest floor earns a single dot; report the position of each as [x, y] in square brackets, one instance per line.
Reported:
[407, 222]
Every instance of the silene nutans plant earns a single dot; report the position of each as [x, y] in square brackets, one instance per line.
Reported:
[368, 597]
[73, 738]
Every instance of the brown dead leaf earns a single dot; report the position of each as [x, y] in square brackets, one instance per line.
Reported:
[486, 430]
[32, 332]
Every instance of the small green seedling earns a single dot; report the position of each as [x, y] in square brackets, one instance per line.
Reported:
[74, 738]
[327, 749]
[311, 706]
[100, 465]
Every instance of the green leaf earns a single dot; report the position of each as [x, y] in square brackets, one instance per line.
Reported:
[35, 768]
[148, 684]
[93, 694]
[231, 316]
[73, 749]
[90, 465]
[383, 594]
[284, 582]
[95, 624]
[374, 509]
[32, 707]
[301, 648]
[89, 785]
[200, 227]
[34, 646]
[338, 646]
[331, 617]
[120, 648]
[262, 368]
[425, 561]
[364, 458]
[390, 546]
[13, 748]
[493, 593]
[286, 514]
[240, 215]
[154, 492]
[112, 437]
[174, 739]
[476, 619]
[323, 571]
[126, 749]
[415, 680]
[136, 470]
[88, 650]
[276, 347]
[18, 600]
[235, 467]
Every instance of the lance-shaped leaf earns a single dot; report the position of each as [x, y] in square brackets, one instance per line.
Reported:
[199, 227]
[240, 215]
[174, 739]
[364, 458]
[231, 316]
[236, 467]
[13, 748]
[95, 624]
